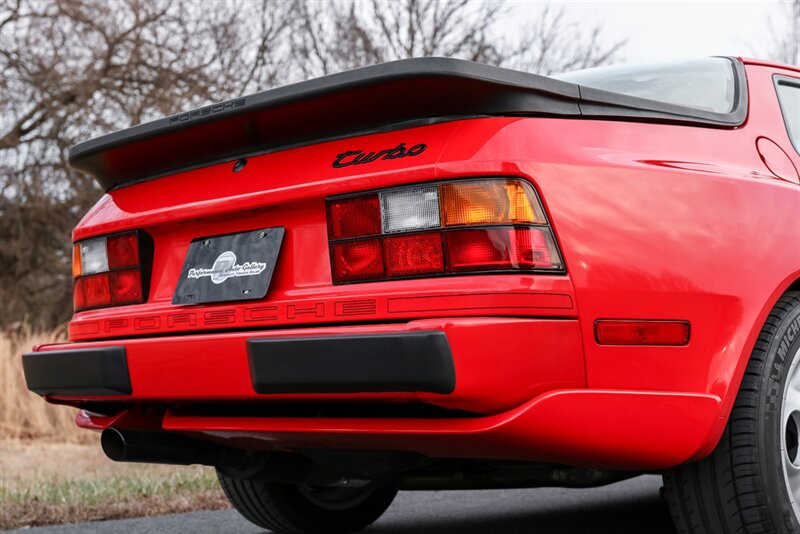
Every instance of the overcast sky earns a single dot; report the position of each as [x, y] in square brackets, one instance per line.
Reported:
[661, 29]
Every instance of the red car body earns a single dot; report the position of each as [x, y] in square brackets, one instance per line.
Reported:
[655, 221]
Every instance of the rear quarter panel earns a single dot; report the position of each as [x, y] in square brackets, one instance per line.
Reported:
[660, 222]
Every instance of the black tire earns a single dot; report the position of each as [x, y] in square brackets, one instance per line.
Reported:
[742, 486]
[291, 509]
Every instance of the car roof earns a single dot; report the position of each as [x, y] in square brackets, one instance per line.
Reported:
[769, 63]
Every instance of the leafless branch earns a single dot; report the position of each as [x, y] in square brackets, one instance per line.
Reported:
[74, 69]
[786, 46]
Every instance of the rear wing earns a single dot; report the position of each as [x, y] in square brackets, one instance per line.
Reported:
[393, 95]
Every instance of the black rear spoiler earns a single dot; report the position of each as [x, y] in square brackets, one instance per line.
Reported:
[371, 99]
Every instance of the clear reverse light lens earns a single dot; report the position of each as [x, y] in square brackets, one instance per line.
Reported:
[413, 208]
[93, 256]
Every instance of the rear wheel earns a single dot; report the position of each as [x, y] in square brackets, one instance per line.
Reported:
[751, 482]
[300, 509]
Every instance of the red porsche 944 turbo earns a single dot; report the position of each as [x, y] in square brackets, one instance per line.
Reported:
[436, 274]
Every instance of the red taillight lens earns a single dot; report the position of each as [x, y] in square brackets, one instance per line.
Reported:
[358, 260]
[352, 217]
[501, 249]
[126, 286]
[123, 251]
[479, 250]
[415, 254]
[92, 291]
[108, 272]
[536, 249]
[471, 225]
[629, 332]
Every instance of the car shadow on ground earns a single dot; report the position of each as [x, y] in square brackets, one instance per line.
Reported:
[632, 514]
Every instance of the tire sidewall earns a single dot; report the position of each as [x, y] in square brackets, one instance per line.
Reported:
[782, 348]
[302, 512]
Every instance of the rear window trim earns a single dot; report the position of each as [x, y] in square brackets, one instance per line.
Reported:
[733, 118]
[783, 79]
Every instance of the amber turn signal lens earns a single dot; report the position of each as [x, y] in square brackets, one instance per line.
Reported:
[76, 261]
[487, 202]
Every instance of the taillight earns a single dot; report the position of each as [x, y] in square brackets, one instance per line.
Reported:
[107, 271]
[487, 225]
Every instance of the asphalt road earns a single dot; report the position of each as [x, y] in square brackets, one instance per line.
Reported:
[632, 506]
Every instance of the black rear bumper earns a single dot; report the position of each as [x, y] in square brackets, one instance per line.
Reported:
[100, 371]
[392, 363]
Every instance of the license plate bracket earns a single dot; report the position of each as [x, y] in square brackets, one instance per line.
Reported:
[229, 267]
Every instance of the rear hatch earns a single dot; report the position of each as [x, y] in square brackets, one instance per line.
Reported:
[285, 190]
[262, 167]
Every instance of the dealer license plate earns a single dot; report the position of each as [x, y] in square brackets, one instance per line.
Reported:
[229, 267]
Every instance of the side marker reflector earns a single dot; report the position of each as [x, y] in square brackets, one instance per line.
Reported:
[630, 332]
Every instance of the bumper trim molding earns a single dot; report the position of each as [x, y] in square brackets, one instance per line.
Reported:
[391, 363]
[94, 371]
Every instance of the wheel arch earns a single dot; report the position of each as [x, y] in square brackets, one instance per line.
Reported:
[790, 283]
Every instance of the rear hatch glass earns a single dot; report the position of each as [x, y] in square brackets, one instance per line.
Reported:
[708, 84]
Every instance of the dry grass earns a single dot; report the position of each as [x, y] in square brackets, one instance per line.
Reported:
[24, 415]
[45, 483]
[52, 472]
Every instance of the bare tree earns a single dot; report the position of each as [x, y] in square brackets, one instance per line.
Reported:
[74, 69]
[786, 48]
[554, 43]
[334, 35]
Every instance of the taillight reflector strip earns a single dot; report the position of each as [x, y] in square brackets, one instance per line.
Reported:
[470, 225]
